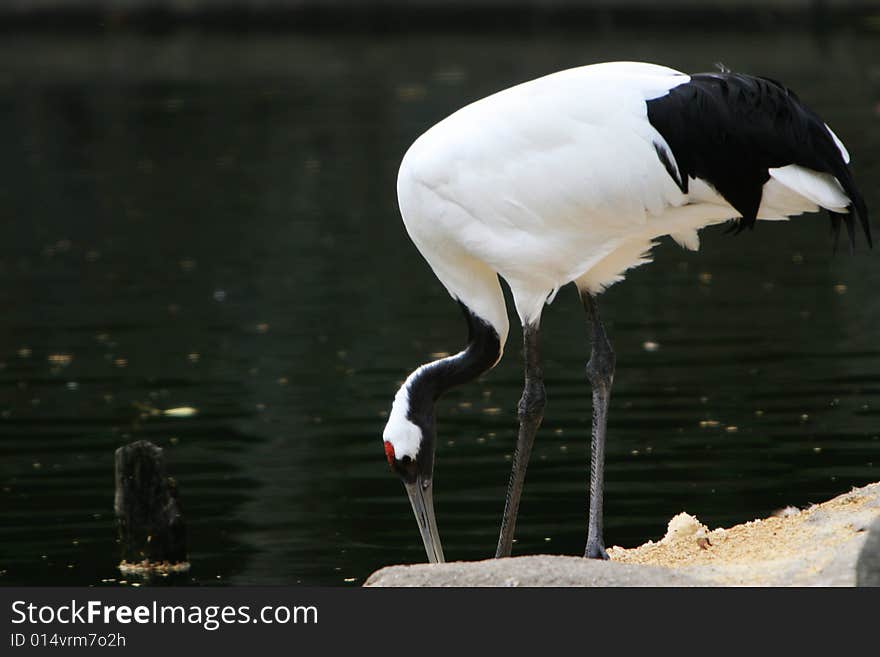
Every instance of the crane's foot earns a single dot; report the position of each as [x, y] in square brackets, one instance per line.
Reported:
[595, 550]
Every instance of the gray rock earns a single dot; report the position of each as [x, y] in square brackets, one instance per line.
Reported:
[538, 570]
[868, 565]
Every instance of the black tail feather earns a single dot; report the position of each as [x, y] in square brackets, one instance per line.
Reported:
[729, 129]
[850, 231]
[857, 206]
[836, 220]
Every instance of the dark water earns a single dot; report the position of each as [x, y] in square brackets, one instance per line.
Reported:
[210, 222]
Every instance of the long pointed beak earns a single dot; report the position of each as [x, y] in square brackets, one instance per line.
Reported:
[422, 500]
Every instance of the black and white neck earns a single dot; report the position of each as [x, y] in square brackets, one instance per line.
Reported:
[412, 413]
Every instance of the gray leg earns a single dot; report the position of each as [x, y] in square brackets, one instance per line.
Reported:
[600, 372]
[531, 412]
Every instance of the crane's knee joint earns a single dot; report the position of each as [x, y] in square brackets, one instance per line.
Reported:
[531, 404]
[600, 368]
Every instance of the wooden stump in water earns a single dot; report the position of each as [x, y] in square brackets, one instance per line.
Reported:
[152, 532]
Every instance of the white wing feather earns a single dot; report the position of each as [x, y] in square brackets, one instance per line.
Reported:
[820, 188]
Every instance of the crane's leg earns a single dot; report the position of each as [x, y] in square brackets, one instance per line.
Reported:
[600, 372]
[531, 412]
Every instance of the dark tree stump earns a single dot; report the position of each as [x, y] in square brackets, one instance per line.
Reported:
[152, 532]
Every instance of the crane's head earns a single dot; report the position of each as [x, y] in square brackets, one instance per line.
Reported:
[409, 447]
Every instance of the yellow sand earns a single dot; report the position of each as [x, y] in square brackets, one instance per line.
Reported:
[788, 535]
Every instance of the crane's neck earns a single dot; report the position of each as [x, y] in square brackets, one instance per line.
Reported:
[430, 381]
[412, 413]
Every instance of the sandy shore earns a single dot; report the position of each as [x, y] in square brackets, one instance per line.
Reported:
[816, 546]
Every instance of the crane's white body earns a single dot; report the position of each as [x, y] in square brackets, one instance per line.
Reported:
[557, 180]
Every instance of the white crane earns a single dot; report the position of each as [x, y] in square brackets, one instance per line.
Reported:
[569, 179]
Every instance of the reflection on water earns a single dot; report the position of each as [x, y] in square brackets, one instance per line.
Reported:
[211, 223]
